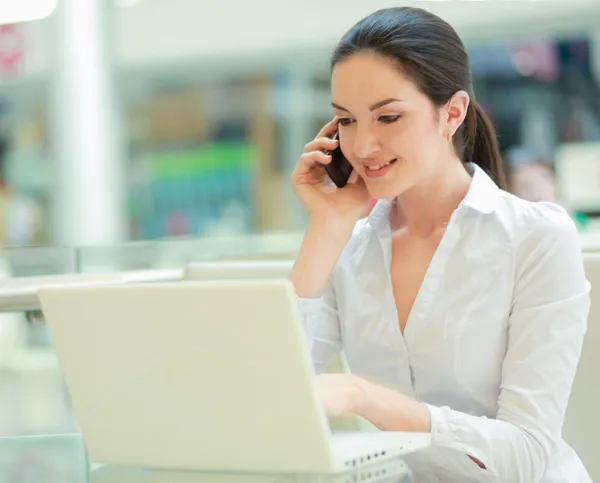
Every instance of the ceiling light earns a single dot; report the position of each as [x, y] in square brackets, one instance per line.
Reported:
[12, 11]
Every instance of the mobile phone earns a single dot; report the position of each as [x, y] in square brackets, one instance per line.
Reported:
[339, 169]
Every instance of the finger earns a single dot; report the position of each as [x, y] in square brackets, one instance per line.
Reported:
[318, 170]
[321, 144]
[314, 158]
[328, 129]
[319, 175]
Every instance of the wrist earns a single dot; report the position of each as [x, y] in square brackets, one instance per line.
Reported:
[343, 225]
[422, 417]
[373, 402]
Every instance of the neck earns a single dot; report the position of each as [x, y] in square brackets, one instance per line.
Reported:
[427, 207]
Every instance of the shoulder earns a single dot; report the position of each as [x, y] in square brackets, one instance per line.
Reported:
[535, 225]
[547, 245]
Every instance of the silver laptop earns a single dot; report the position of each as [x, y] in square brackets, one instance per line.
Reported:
[209, 270]
[201, 376]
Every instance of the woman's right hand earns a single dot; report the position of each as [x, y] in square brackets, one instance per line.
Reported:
[320, 197]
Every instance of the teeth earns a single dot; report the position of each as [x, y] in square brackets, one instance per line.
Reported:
[378, 166]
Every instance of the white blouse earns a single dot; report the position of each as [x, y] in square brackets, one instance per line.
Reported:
[492, 341]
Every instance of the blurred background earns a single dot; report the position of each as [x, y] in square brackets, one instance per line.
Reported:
[139, 134]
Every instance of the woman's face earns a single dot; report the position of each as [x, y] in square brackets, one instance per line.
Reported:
[391, 132]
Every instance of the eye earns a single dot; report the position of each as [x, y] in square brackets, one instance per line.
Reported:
[390, 119]
[345, 121]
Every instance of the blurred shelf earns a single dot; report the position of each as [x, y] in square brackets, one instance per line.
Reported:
[36, 360]
[590, 241]
[21, 294]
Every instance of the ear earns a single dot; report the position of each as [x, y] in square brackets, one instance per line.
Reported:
[455, 113]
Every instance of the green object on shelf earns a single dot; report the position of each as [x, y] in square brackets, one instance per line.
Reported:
[230, 156]
[582, 221]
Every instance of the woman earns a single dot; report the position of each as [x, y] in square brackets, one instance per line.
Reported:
[461, 308]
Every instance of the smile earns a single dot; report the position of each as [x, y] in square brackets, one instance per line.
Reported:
[377, 167]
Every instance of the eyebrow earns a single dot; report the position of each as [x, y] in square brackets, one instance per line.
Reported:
[377, 105]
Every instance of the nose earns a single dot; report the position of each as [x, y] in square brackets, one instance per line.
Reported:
[366, 143]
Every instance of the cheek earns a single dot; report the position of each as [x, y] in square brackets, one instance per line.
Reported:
[414, 140]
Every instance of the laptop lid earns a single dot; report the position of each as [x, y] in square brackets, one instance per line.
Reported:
[198, 375]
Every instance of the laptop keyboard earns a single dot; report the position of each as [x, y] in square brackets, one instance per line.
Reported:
[356, 449]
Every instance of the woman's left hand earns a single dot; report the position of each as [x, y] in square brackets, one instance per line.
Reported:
[340, 394]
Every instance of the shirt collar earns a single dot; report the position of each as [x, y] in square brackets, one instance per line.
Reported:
[482, 196]
[483, 193]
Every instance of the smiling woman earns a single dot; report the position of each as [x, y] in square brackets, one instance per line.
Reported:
[461, 309]
[405, 97]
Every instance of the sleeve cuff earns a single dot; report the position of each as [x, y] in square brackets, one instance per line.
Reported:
[440, 429]
[309, 306]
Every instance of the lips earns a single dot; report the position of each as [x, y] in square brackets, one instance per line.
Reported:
[375, 169]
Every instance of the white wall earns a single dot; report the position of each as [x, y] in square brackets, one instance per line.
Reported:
[167, 30]
[162, 32]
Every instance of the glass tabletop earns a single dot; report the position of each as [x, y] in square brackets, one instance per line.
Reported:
[62, 459]
[143, 255]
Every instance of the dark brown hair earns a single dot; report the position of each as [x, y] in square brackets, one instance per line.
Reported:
[430, 52]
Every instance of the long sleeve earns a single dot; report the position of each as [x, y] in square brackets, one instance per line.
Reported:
[545, 334]
[322, 327]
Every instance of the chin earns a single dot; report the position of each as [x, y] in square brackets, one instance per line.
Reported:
[397, 181]
[386, 190]
[380, 194]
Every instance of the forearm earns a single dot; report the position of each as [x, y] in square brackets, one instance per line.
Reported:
[390, 410]
[501, 450]
[323, 243]
[492, 450]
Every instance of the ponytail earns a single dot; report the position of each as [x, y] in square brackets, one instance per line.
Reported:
[481, 144]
